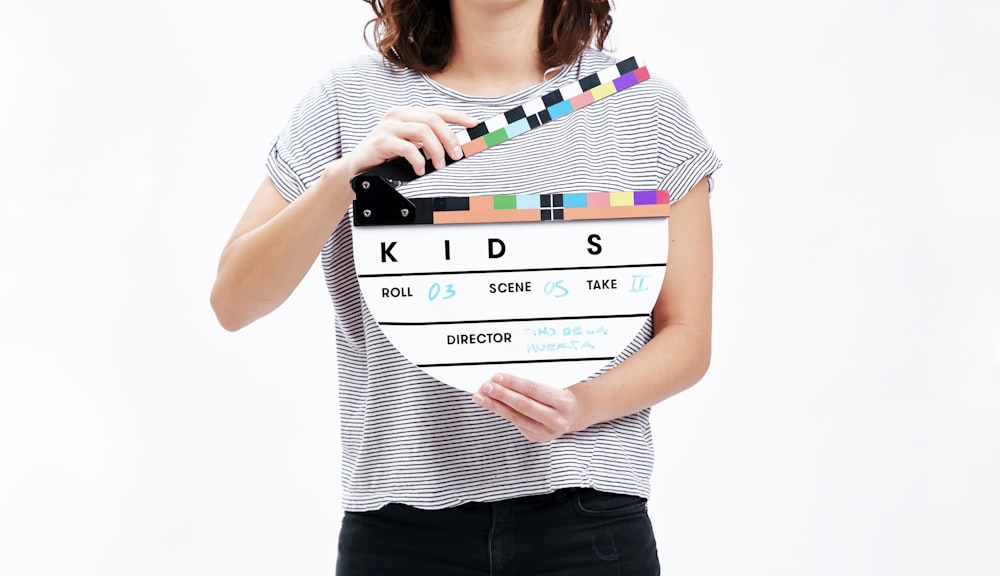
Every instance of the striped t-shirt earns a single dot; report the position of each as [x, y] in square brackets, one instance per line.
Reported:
[406, 437]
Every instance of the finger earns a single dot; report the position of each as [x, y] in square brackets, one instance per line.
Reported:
[445, 134]
[416, 158]
[423, 136]
[393, 146]
[407, 139]
[548, 395]
[447, 139]
[533, 409]
[438, 119]
[456, 117]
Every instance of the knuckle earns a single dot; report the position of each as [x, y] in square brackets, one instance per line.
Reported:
[564, 404]
[383, 128]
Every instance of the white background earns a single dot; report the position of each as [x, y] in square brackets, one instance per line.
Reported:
[850, 423]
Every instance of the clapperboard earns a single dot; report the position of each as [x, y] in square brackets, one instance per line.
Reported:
[460, 287]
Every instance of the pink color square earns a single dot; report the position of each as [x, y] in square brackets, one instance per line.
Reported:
[581, 100]
[598, 199]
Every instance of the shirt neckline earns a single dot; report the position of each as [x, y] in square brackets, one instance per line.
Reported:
[555, 81]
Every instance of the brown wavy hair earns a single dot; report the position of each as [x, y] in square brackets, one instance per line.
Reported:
[418, 34]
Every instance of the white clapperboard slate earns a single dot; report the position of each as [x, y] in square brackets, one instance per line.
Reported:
[459, 287]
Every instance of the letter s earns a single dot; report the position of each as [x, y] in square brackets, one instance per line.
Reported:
[595, 247]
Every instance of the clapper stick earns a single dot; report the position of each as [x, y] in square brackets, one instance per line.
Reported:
[378, 203]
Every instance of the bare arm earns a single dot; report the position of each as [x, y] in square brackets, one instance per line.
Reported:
[674, 359]
[275, 242]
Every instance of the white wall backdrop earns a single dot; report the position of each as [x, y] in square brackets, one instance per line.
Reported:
[850, 423]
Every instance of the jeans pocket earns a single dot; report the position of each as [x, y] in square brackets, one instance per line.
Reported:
[590, 502]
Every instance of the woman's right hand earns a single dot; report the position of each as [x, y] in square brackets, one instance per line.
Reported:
[275, 242]
[416, 134]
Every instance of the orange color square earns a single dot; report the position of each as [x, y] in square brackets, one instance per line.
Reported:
[474, 147]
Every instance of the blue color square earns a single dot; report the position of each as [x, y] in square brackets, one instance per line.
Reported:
[519, 127]
[528, 201]
[561, 109]
[574, 200]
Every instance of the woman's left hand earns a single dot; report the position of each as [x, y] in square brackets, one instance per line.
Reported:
[540, 412]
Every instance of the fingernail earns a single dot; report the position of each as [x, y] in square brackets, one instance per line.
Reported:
[478, 399]
[487, 388]
[498, 378]
[456, 152]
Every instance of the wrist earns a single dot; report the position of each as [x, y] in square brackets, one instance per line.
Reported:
[584, 416]
[346, 162]
[336, 180]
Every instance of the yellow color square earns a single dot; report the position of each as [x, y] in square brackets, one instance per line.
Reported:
[602, 91]
[621, 198]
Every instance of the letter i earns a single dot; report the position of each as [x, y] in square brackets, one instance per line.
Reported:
[447, 249]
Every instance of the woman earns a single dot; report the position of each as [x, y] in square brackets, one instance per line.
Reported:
[522, 477]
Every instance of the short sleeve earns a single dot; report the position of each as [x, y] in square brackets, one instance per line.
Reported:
[308, 142]
[684, 156]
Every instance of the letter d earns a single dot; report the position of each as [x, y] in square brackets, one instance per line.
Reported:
[494, 242]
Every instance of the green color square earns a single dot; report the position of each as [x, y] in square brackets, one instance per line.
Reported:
[505, 202]
[494, 138]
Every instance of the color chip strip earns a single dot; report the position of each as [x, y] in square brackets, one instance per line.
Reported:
[552, 106]
[542, 207]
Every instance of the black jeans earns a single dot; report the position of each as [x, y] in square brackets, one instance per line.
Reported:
[576, 531]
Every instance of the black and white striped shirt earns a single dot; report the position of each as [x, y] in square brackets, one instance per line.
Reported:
[406, 437]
